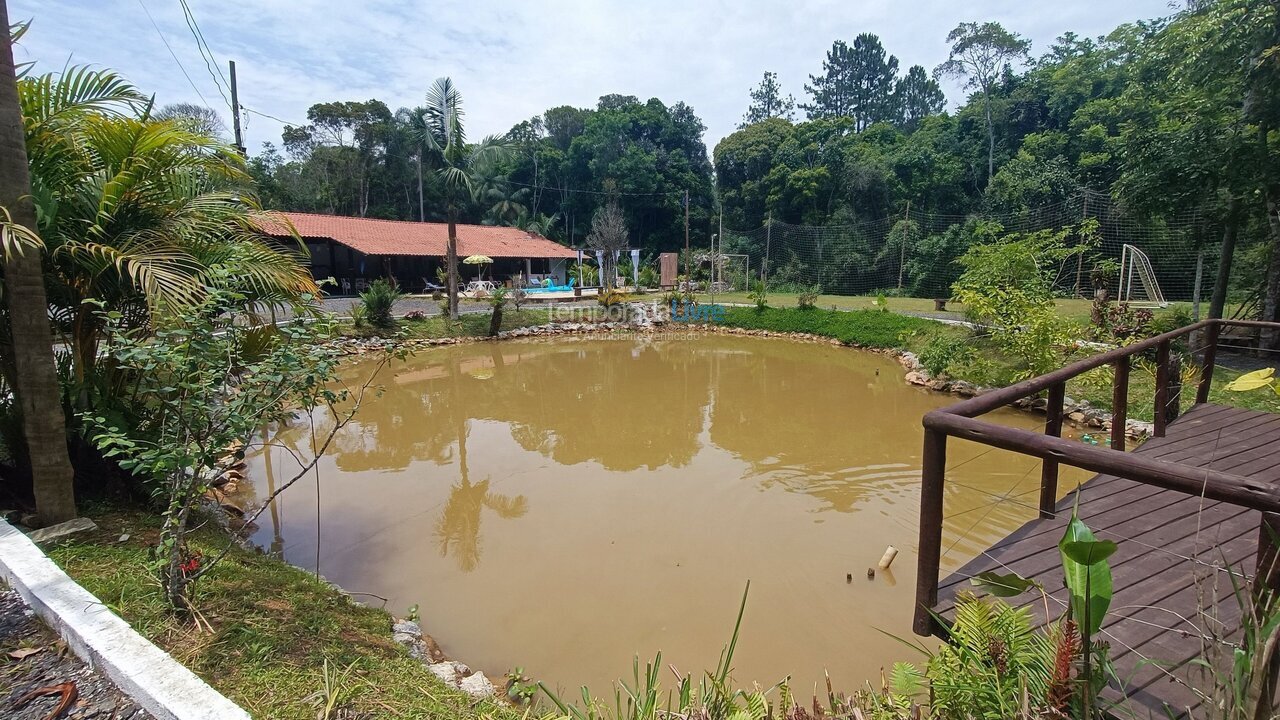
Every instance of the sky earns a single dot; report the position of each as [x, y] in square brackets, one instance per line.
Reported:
[511, 59]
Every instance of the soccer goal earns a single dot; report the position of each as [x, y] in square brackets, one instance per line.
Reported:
[1138, 284]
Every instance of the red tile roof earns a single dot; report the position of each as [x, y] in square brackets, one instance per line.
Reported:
[398, 237]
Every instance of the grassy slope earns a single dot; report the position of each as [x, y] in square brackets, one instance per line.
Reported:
[874, 328]
[274, 628]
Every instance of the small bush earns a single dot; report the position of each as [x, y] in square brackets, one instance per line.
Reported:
[359, 317]
[868, 328]
[942, 352]
[379, 301]
[759, 296]
[808, 297]
[609, 298]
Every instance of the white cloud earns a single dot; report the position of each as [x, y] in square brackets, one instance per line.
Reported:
[513, 60]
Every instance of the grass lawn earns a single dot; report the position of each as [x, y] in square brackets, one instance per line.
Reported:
[1071, 308]
[986, 367]
[275, 626]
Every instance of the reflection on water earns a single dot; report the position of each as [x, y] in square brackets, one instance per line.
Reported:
[564, 505]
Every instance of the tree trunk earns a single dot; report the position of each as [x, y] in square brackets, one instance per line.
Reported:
[495, 320]
[36, 378]
[422, 213]
[1218, 303]
[1271, 301]
[451, 260]
[991, 136]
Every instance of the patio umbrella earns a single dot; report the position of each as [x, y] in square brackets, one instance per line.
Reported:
[477, 260]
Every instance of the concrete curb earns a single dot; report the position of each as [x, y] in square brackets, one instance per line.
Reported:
[155, 681]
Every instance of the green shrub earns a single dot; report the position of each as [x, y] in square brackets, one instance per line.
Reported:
[868, 328]
[759, 296]
[808, 297]
[379, 301]
[1007, 285]
[944, 351]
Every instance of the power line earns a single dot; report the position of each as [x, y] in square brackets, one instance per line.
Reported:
[597, 192]
[271, 117]
[205, 53]
[174, 55]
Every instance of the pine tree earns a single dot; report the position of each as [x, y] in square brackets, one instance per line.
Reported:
[857, 82]
[767, 101]
[916, 96]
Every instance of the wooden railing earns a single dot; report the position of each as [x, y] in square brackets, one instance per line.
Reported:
[961, 421]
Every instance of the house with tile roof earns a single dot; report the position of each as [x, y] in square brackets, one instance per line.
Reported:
[354, 250]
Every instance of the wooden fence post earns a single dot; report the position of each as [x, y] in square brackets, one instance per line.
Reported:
[1048, 467]
[1162, 388]
[932, 479]
[1120, 404]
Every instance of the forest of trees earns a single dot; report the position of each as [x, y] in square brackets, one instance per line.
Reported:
[1164, 116]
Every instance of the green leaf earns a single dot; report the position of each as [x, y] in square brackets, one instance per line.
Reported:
[1090, 584]
[1089, 552]
[999, 585]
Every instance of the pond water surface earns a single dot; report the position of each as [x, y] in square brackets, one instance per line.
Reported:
[566, 504]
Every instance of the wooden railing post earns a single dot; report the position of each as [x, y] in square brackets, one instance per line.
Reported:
[1049, 467]
[932, 479]
[1173, 406]
[1206, 366]
[1266, 584]
[1162, 388]
[1120, 404]
[1267, 573]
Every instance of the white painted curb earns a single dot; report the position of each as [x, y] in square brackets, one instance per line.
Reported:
[155, 681]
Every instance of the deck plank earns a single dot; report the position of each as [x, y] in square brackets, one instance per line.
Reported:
[1171, 552]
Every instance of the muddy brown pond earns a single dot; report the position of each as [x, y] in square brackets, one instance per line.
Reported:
[566, 504]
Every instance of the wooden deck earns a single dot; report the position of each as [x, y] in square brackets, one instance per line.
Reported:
[1174, 549]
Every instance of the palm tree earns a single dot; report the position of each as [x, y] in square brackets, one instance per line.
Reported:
[34, 377]
[455, 163]
[140, 215]
[413, 121]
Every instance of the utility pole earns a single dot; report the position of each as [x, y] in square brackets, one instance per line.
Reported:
[1084, 215]
[688, 276]
[906, 234]
[235, 110]
[768, 239]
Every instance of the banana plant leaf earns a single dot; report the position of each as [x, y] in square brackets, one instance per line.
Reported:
[1088, 575]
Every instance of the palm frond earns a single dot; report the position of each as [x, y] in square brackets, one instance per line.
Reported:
[16, 239]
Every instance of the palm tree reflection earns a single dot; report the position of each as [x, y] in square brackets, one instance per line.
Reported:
[458, 531]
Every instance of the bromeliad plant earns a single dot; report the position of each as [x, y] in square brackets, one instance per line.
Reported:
[188, 397]
[1061, 671]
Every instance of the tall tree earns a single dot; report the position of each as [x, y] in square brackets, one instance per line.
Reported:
[917, 96]
[979, 54]
[857, 82]
[455, 163]
[196, 118]
[608, 235]
[767, 101]
[35, 374]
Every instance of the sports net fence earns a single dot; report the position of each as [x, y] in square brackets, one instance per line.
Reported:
[915, 253]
